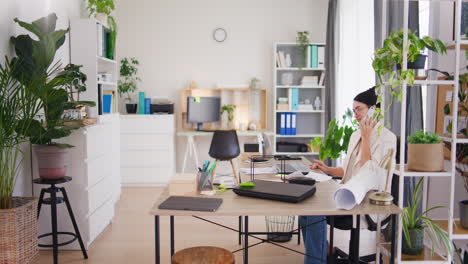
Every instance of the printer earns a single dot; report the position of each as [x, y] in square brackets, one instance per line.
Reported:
[162, 106]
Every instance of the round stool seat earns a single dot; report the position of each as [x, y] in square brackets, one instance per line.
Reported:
[54, 181]
[203, 255]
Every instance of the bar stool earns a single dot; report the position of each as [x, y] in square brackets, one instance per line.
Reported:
[203, 255]
[53, 200]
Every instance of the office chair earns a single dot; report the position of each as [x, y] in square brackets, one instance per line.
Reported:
[225, 147]
[346, 223]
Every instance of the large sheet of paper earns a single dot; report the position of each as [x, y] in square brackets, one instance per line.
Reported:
[318, 177]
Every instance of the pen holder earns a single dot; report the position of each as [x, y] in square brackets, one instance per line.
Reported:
[204, 181]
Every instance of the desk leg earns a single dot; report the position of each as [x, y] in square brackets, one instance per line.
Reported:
[156, 240]
[246, 240]
[331, 257]
[193, 148]
[358, 232]
[260, 143]
[172, 236]
[240, 230]
[393, 239]
[187, 150]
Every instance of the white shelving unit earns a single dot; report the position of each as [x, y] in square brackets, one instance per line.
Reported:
[310, 123]
[84, 41]
[454, 231]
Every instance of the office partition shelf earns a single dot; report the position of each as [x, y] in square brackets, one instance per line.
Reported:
[433, 82]
[424, 257]
[409, 173]
[457, 140]
[301, 86]
[300, 69]
[107, 83]
[458, 231]
[106, 60]
[300, 111]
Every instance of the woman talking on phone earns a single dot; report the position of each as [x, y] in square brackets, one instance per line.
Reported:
[367, 146]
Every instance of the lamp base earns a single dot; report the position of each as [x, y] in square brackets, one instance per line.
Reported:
[381, 198]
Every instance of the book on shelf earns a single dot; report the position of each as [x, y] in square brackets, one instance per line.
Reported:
[310, 80]
[322, 79]
[305, 107]
[313, 56]
[321, 57]
[107, 101]
[294, 98]
[282, 59]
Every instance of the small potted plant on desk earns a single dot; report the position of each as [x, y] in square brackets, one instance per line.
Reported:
[46, 80]
[229, 109]
[415, 224]
[128, 82]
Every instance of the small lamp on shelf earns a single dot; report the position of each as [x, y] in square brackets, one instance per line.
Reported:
[383, 197]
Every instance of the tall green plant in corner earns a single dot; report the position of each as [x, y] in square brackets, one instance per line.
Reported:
[128, 78]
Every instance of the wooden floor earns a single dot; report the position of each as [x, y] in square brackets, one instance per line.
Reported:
[130, 237]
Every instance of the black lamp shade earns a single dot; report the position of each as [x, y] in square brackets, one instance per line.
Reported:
[224, 145]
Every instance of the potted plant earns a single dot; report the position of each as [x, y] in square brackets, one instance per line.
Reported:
[75, 84]
[414, 223]
[35, 68]
[101, 9]
[388, 60]
[128, 82]
[336, 139]
[17, 214]
[229, 109]
[425, 152]
[302, 39]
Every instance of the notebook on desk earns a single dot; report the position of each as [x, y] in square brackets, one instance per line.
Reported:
[278, 191]
[191, 203]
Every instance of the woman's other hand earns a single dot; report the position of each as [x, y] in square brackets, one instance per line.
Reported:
[319, 165]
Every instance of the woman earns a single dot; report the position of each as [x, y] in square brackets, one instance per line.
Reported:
[367, 147]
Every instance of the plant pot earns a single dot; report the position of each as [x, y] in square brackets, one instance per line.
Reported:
[101, 17]
[426, 157]
[463, 207]
[131, 108]
[51, 161]
[417, 242]
[419, 63]
[18, 228]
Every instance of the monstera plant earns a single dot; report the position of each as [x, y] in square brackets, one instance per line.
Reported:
[35, 68]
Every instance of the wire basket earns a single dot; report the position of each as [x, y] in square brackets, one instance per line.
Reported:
[280, 228]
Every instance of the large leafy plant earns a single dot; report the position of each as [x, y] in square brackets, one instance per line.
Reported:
[420, 222]
[34, 66]
[387, 58]
[17, 103]
[128, 77]
[337, 138]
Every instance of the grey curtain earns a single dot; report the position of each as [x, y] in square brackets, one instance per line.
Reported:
[330, 78]
[414, 113]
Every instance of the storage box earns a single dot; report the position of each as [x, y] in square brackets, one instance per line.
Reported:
[183, 184]
[282, 107]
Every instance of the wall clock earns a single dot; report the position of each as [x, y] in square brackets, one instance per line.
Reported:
[219, 34]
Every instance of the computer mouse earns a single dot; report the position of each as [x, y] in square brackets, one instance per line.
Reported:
[301, 180]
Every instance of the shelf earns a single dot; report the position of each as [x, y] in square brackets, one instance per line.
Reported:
[458, 231]
[463, 44]
[434, 82]
[301, 87]
[295, 44]
[105, 60]
[300, 111]
[297, 153]
[300, 69]
[424, 257]
[107, 83]
[300, 136]
[457, 140]
[408, 173]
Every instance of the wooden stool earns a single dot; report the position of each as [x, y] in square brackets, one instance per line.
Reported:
[203, 255]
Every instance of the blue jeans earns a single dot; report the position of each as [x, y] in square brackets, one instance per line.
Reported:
[314, 232]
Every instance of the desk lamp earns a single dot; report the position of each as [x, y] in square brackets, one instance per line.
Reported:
[383, 197]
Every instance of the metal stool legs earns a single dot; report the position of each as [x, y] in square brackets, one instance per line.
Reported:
[75, 226]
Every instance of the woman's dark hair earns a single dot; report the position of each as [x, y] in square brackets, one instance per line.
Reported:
[368, 97]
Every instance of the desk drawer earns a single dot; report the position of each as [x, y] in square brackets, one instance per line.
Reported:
[100, 193]
[99, 220]
[147, 125]
[162, 142]
[147, 158]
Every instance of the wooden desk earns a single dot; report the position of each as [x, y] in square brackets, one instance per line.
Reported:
[233, 205]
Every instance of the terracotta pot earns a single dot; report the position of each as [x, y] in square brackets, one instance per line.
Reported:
[426, 157]
[417, 242]
[51, 161]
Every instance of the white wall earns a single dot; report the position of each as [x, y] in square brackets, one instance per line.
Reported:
[173, 41]
[30, 10]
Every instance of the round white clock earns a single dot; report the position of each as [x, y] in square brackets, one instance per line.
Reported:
[220, 34]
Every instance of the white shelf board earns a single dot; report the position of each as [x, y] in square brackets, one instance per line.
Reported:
[107, 83]
[301, 87]
[434, 82]
[300, 111]
[105, 60]
[300, 69]
[457, 140]
[295, 44]
[300, 136]
[297, 153]
[407, 173]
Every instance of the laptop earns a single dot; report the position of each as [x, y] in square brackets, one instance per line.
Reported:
[191, 203]
[278, 191]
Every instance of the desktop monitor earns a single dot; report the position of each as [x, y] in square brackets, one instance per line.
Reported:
[203, 110]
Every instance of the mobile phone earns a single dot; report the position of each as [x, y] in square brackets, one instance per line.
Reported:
[370, 112]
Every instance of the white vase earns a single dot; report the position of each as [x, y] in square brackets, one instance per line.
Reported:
[224, 121]
[101, 17]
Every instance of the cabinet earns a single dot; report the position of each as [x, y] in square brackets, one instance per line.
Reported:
[298, 83]
[147, 149]
[95, 187]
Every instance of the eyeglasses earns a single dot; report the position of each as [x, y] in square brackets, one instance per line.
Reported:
[359, 109]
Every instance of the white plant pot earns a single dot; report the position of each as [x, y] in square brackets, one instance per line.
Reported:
[101, 17]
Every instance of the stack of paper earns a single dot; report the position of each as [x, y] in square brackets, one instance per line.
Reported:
[319, 177]
[309, 80]
[265, 170]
